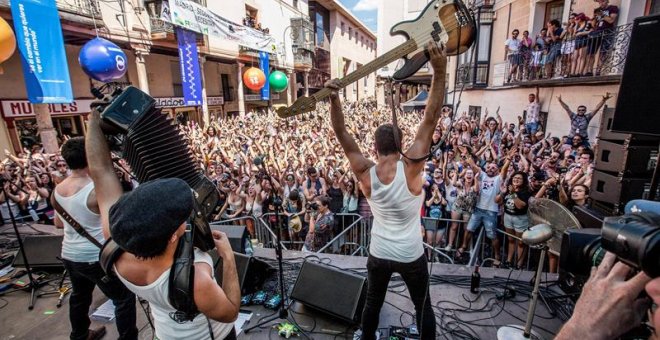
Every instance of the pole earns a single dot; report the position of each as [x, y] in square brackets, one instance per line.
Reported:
[47, 133]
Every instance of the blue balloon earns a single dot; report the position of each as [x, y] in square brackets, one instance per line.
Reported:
[102, 60]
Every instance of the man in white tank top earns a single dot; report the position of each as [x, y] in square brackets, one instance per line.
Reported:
[147, 223]
[81, 257]
[394, 190]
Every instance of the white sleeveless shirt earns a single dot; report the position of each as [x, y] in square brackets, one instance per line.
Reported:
[395, 233]
[156, 294]
[76, 248]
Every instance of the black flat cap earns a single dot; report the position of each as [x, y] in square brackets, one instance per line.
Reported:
[143, 220]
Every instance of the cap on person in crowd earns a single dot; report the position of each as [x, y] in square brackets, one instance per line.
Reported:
[142, 222]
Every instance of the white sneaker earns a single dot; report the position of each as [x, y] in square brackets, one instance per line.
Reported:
[448, 247]
[358, 335]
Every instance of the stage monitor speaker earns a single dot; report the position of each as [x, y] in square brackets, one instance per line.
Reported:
[338, 293]
[252, 272]
[637, 105]
[626, 159]
[42, 251]
[238, 235]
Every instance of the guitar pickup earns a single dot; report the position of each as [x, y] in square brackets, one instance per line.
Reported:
[435, 34]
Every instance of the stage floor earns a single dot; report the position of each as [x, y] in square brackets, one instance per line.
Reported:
[457, 310]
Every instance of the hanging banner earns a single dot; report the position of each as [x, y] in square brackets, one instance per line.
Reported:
[264, 65]
[197, 18]
[191, 79]
[40, 42]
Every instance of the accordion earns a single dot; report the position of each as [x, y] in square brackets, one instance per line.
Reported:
[154, 147]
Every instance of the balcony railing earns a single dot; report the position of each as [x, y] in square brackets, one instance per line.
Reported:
[597, 56]
[159, 26]
[89, 8]
[303, 59]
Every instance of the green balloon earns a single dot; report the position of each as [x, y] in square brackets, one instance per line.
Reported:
[278, 81]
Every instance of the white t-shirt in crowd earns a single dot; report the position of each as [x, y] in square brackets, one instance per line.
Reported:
[489, 187]
[533, 110]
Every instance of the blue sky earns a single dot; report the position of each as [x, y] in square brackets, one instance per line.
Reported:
[365, 10]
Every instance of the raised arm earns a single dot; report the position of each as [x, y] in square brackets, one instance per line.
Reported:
[566, 108]
[422, 142]
[594, 112]
[106, 184]
[359, 164]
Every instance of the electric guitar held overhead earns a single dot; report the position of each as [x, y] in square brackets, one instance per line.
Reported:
[444, 21]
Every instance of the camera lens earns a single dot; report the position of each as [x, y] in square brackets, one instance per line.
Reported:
[635, 239]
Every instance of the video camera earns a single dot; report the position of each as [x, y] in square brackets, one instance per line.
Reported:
[634, 238]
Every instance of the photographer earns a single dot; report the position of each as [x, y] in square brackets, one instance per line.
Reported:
[610, 304]
[147, 224]
[321, 222]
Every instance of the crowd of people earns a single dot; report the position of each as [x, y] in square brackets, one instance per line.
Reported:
[479, 168]
[573, 49]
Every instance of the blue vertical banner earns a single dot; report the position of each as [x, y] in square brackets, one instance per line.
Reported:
[40, 42]
[191, 79]
[264, 65]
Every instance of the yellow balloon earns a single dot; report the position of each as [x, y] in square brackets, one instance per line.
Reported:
[7, 41]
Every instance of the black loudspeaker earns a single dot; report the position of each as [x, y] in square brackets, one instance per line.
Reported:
[238, 235]
[637, 105]
[615, 190]
[42, 252]
[338, 293]
[252, 272]
[605, 130]
[627, 159]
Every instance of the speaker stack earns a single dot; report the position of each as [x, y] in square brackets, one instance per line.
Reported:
[630, 134]
[624, 167]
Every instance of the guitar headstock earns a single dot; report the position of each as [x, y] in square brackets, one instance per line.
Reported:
[301, 105]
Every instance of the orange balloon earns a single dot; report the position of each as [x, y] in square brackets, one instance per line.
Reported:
[7, 40]
[254, 78]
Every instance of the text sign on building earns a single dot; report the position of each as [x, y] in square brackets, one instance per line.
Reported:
[41, 46]
[180, 102]
[24, 109]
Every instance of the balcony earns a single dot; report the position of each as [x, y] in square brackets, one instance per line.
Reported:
[303, 59]
[161, 29]
[88, 8]
[598, 58]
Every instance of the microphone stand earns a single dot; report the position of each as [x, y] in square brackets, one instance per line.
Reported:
[282, 313]
[33, 284]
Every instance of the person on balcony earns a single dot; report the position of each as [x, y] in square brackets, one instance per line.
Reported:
[582, 29]
[553, 41]
[602, 37]
[526, 44]
[512, 49]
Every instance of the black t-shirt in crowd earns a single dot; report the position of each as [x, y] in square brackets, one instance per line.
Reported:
[510, 207]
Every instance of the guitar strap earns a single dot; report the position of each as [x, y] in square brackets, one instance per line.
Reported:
[72, 222]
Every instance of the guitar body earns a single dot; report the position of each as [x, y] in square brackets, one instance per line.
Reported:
[453, 26]
[443, 21]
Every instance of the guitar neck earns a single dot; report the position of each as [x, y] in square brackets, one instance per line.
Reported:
[364, 70]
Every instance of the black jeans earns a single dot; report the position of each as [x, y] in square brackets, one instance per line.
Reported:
[416, 277]
[84, 276]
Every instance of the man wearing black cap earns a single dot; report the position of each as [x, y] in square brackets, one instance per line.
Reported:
[76, 195]
[147, 224]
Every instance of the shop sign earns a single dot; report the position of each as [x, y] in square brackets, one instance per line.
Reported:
[23, 108]
[257, 97]
[179, 101]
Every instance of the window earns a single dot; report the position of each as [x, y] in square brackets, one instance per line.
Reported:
[295, 3]
[350, 33]
[654, 7]
[343, 28]
[175, 70]
[554, 10]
